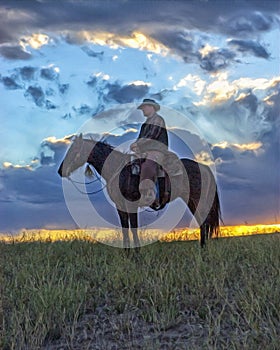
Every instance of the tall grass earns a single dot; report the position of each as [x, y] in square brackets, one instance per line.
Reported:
[81, 295]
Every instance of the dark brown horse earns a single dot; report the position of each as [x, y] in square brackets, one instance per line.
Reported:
[196, 186]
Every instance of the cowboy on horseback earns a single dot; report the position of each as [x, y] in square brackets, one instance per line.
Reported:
[152, 143]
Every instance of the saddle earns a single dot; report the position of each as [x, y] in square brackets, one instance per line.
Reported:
[170, 168]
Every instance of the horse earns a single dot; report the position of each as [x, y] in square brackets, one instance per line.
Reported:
[197, 188]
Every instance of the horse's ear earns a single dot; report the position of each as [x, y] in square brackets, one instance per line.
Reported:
[81, 136]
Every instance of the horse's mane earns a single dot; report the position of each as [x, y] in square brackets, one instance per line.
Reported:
[100, 143]
[105, 144]
[103, 147]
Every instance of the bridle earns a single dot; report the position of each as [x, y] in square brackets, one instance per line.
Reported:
[75, 183]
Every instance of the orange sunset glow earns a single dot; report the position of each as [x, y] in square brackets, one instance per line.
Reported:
[108, 236]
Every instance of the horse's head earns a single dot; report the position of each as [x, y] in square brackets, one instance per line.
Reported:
[75, 157]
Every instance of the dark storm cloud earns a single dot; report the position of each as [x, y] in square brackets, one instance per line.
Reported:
[236, 18]
[248, 23]
[180, 42]
[187, 46]
[31, 198]
[14, 52]
[248, 183]
[29, 185]
[126, 93]
[250, 47]
[34, 198]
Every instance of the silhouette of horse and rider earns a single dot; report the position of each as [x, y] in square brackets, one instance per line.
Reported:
[154, 177]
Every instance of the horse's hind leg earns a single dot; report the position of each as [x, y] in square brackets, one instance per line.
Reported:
[125, 226]
[204, 228]
[134, 228]
[204, 234]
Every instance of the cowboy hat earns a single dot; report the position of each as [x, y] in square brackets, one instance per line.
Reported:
[148, 101]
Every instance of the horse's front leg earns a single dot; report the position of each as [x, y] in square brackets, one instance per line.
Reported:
[133, 218]
[125, 226]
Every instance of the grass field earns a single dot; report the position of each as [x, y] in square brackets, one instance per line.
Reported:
[82, 295]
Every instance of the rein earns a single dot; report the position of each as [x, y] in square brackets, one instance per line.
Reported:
[83, 183]
[98, 178]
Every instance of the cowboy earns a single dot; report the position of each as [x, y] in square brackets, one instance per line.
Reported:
[153, 143]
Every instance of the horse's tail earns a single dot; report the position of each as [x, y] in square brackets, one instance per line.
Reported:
[214, 217]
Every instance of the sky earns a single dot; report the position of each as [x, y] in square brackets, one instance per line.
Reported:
[65, 64]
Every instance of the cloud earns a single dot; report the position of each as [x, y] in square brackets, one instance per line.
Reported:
[251, 22]
[83, 109]
[227, 151]
[57, 147]
[27, 73]
[193, 47]
[115, 40]
[145, 30]
[272, 105]
[14, 52]
[50, 105]
[251, 47]
[35, 41]
[92, 81]
[248, 182]
[221, 90]
[27, 78]
[31, 75]
[202, 37]
[37, 95]
[92, 53]
[112, 92]
[10, 83]
[127, 93]
[241, 111]
[29, 189]
[31, 198]
[37, 194]
[63, 88]
[216, 59]
[49, 73]
[179, 42]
